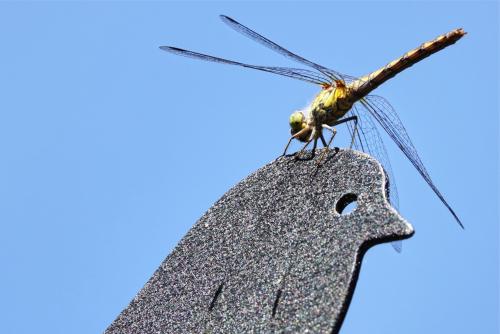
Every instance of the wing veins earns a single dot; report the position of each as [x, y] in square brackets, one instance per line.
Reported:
[391, 123]
[244, 30]
[296, 73]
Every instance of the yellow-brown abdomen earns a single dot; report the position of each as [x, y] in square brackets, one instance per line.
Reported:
[366, 84]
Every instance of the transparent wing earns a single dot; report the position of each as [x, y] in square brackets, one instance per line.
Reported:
[329, 73]
[382, 111]
[296, 73]
[368, 140]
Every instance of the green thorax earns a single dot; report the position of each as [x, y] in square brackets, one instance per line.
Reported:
[332, 103]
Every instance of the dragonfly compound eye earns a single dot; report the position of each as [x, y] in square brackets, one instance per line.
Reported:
[297, 121]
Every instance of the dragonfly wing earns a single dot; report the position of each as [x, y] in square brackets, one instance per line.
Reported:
[368, 140]
[296, 73]
[382, 111]
[329, 73]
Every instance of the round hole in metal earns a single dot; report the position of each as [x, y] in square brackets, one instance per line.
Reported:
[347, 204]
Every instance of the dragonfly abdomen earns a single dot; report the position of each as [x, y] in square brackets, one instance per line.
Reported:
[366, 84]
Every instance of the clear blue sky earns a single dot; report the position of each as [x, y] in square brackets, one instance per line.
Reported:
[101, 135]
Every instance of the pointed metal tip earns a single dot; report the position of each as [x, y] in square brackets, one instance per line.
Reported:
[408, 230]
[400, 228]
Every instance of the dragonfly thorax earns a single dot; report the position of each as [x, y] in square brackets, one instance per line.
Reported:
[331, 104]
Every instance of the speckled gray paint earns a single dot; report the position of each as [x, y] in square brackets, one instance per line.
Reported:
[276, 232]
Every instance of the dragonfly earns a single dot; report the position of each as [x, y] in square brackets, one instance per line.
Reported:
[346, 99]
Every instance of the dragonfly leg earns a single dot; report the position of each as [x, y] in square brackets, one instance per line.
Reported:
[327, 146]
[301, 152]
[323, 141]
[325, 151]
[295, 136]
[287, 145]
[348, 119]
[333, 131]
[312, 137]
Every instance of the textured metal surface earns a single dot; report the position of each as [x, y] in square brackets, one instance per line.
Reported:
[273, 254]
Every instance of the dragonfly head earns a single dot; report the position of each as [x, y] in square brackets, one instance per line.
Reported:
[298, 123]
